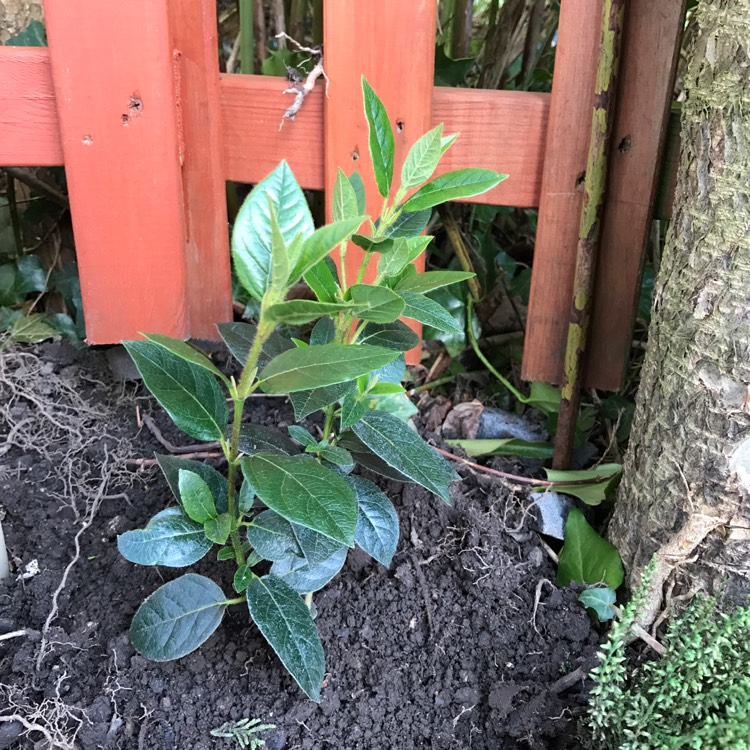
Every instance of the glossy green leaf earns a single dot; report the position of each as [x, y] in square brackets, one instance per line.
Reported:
[320, 243]
[409, 224]
[446, 142]
[319, 366]
[286, 623]
[393, 372]
[279, 271]
[381, 141]
[376, 303]
[544, 397]
[173, 511]
[246, 496]
[344, 198]
[177, 618]
[30, 275]
[423, 158]
[337, 456]
[586, 557]
[299, 489]
[367, 458]
[451, 186]
[355, 178]
[305, 403]
[252, 234]
[425, 282]
[242, 577]
[396, 336]
[386, 389]
[352, 410]
[217, 529]
[225, 553]
[506, 447]
[601, 600]
[382, 245]
[402, 448]
[405, 251]
[33, 35]
[377, 522]
[255, 438]
[397, 404]
[429, 312]
[323, 332]
[304, 577]
[321, 280]
[196, 496]
[216, 481]
[189, 394]
[175, 542]
[185, 351]
[314, 547]
[604, 478]
[272, 536]
[239, 339]
[299, 311]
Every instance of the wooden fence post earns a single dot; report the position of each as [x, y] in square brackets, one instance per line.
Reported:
[114, 78]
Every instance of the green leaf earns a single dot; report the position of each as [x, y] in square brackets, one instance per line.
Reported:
[377, 522]
[173, 541]
[177, 618]
[587, 558]
[405, 251]
[318, 366]
[315, 547]
[307, 402]
[544, 397]
[425, 282]
[506, 447]
[396, 336]
[376, 303]
[373, 244]
[299, 311]
[352, 410]
[302, 436]
[451, 186]
[252, 234]
[397, 404]
[30, 276]
[304, 492]
[29, 329]
[344, 198]
[246, 497]
[304, 577]
[225, 553]
[604, 478]
[242, 577]
[188, 393]
[255, 438]
[197, 499]
[402, 448]
[321, 280]
[393, 372]
[359, 190]
[286, 623]
[185, 351]
[279, 272]
[601, 599]
[381, 141]
[239, 339]
[323, 332]
[320, 243]
[367, 458]
[217, 529]
[423, 158]
[216, 481]
[337, 456]
[409, 224]
[446, 142]
[429, 312]
[386, 389]
[272, 536]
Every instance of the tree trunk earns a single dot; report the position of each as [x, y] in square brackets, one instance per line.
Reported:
[685, 495]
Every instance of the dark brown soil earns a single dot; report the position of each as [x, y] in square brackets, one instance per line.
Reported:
[443, 650]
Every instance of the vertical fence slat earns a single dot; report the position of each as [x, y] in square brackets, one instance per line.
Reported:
[560, 199]
[209, 286]
[392, 43]
[113, 74]
[651, 43]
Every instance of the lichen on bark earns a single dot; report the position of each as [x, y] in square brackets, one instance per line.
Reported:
[685, 493]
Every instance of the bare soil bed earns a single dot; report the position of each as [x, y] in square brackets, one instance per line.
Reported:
[457, 645]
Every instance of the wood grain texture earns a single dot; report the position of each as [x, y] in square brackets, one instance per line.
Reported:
[560, 199]
[392, 44]
[29, 128]
[208, 283]
[116, 104]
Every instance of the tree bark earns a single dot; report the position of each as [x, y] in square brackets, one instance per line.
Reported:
[685, 495]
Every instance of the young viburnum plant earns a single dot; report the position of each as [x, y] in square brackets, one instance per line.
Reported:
[290, 508]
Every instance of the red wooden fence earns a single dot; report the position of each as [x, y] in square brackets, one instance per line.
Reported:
[131, 101]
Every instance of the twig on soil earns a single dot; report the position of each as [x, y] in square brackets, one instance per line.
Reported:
[142, 463]
[298, 87]
[537, 600]
[13, 634]
[171, 447]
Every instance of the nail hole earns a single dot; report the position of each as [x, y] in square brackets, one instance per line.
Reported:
[125, 120]
[399, 126]
[624, 145]
[355, 153]
[136, 105]
[581, 181]
[87, 140]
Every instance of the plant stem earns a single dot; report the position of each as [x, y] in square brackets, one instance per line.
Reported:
[247, 36]
[363, 267]
[434, 384]
[308, 599]
[342, 251]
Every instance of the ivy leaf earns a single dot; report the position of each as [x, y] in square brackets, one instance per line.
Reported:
[188, 393]
[601, 599]
[252, 233]
[451, 186]
[217, 529]
[239, 339]
[299, 489]
[381, 141]
[396, 336]
[185, 351]
[400, 447]
[318, 366]
[304, 577]
[174, 541]
[177, 618]
[376, 303]
[196, 496]
[307, 402]
[216, 481]
[344, 198]
[423, 158]
[608, 476]
[272, 536]
[255, 438]
[587, 558]
[285, 622]
[429, 312]
[377, 522]
[425, 282]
